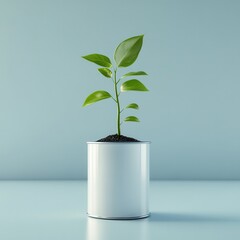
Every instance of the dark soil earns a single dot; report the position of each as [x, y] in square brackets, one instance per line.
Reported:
[116, 138]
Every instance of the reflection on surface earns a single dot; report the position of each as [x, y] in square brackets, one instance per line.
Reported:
[100, 229]
[158, 224]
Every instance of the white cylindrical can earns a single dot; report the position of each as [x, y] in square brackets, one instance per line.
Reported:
[118, 180]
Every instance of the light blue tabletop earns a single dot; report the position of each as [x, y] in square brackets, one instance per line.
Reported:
[49, 210]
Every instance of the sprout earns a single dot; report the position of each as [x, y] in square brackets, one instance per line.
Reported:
[125, 55]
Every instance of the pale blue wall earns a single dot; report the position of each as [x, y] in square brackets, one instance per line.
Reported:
[191, 52]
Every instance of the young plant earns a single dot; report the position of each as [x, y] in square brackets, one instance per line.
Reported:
[125, 55]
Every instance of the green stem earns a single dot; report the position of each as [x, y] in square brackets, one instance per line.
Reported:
[118, 104]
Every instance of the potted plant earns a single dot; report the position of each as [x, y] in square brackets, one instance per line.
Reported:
[118, 166]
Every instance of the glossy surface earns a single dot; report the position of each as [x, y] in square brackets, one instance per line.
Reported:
[180, 210]
[118, 180]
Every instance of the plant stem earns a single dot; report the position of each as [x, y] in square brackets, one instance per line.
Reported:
[118, 104]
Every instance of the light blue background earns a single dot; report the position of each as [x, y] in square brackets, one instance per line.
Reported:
[191, 52]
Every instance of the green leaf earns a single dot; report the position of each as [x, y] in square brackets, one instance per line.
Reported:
[127, 51]
[105, 72]
[131, 119]
[133, 105]
[133, 85]
[134, 74]
[99, 59]
[96, 96]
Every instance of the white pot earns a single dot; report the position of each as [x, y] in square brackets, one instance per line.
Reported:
[118, 180]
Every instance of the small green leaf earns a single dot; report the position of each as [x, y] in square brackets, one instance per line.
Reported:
[134, 74]
[127, 51]
[105, 72]
[131, 119]
[96, 96]
[133, 85]
[133, 105]
[99, 59]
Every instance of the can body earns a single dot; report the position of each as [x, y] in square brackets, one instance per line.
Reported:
[118, 180]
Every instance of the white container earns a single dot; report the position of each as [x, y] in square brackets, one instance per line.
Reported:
[118, 180]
